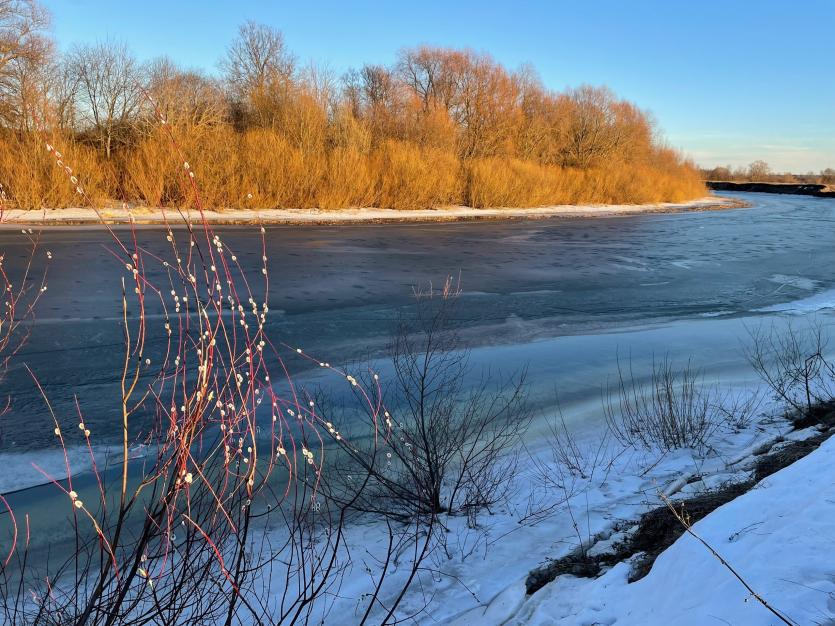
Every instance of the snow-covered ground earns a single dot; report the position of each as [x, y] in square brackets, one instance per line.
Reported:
[779, 536]
[15, 218]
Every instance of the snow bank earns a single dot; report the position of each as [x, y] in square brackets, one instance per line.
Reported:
[482, 582]
[15, 218]
[779, 537]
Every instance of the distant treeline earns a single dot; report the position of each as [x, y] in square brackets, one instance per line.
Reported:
[438, 127]
[761, 172]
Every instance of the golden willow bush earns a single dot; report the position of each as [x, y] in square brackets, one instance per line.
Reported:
[437, 128]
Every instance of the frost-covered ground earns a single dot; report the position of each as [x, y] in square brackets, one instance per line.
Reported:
[314, 216]
[779, 535]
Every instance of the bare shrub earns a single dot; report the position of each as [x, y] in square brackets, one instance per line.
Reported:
[572, 468]
[581, 459]
[445, 448]
[793, 364]
[671, 410]
[737, 410]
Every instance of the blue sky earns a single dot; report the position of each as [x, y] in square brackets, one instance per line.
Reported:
[728, 82]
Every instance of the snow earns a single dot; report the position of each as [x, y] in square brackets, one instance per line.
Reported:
[482, 579]
[818, 302]
[16, 217]
[51, 462]
[779, 537]
[38, 467]
[798, 282]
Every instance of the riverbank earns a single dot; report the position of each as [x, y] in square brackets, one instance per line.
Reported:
[801, 189]
[776, 537]
[146, 216]
[769, 528]
[592, 495]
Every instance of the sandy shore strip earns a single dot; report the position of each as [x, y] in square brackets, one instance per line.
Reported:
[87, 216]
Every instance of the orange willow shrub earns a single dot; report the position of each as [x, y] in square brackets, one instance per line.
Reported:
[411, 177]
[153, 173]
[503, 182]
[349, 180]
[257, 169]
[219, 165]
[32, 181]
[263, 168]
[641, 184]
[493, 182]
[277, 174]
[157, 178]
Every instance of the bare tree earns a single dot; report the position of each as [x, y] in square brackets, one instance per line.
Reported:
[108, 95]
[758, 171]
[24, 97]
[430, 73]
[378, 86]
[590, 131]
[259, 71]
[719, 173]
[352, 92]
[24, 51]
[62, 90]
[186, 99]
[827, 176]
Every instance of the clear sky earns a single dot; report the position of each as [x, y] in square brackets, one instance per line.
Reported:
[728, 82]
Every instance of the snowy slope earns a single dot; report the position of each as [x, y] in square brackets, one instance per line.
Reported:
[780, 537]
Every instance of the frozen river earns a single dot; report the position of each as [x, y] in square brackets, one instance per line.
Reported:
[563, 298]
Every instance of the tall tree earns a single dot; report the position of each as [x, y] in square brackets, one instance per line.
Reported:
[758, 170]
[108, 92]
[24, 52]
[186, 98]
[259, 71]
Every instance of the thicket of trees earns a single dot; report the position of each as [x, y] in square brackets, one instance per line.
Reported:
[438, 127]
[760, 172]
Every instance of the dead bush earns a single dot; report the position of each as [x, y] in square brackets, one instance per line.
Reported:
[670, 410]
